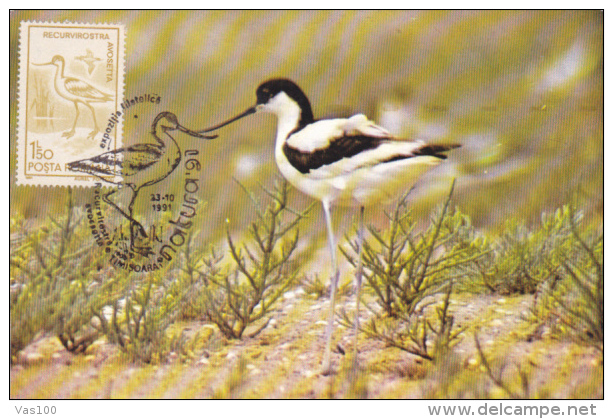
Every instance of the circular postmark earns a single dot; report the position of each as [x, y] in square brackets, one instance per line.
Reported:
[155, 198]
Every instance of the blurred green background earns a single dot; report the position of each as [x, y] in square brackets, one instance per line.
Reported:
[522, 91]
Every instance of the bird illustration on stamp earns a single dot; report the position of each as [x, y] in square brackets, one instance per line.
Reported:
[76, 91]
[138, 166]
[89, 60]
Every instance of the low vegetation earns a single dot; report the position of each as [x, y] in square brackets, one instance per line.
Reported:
[262, 268]
[412, 277]
[57, 281]
[571, 301]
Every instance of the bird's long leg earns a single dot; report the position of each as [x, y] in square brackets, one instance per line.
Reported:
[143, 250]
[142, 230]
[358, 280]
[96, 129]
[106, 199]
[326, 361]
[70, 133]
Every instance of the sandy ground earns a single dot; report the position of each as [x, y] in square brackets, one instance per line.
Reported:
[283, 361]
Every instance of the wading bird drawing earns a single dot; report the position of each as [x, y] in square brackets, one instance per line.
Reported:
[76, 91]
[350, 162]
[89, 60]
[139, 166]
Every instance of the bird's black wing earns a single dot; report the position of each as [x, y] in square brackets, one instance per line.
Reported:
[434, 150]
[337, 149]
[121, 162]
[84, 90]
[351, 145]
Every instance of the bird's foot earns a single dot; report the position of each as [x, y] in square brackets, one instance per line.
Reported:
[139, 242]
[142, 231]
[141, 250]
[136, 229]
[326, 369]
[68, 134]
[93, 134]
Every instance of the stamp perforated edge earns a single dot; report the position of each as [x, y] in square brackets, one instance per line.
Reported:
[22, 86]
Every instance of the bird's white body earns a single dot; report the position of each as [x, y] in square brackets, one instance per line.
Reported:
[359, 180]
[73, 89]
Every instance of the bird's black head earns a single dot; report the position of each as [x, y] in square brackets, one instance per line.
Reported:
[271, 88]
[269, 100]
[57, 61]
[167, 121]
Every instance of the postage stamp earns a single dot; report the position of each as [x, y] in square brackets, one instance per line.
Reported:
[71, 86]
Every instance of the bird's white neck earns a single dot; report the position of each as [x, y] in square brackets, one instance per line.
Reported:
[162, 137]
[288, 114]
[59, 73]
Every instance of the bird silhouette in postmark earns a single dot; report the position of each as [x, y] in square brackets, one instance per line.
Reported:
[138, 166]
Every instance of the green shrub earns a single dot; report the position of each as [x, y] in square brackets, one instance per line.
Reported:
[56, 283]
[523, 259]
[62, 286]
[572, 301]
[263, 268]
[314, 286]
[406, 271]
[495, 374]
[521, 262]
[59, 285]
[144, 310]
